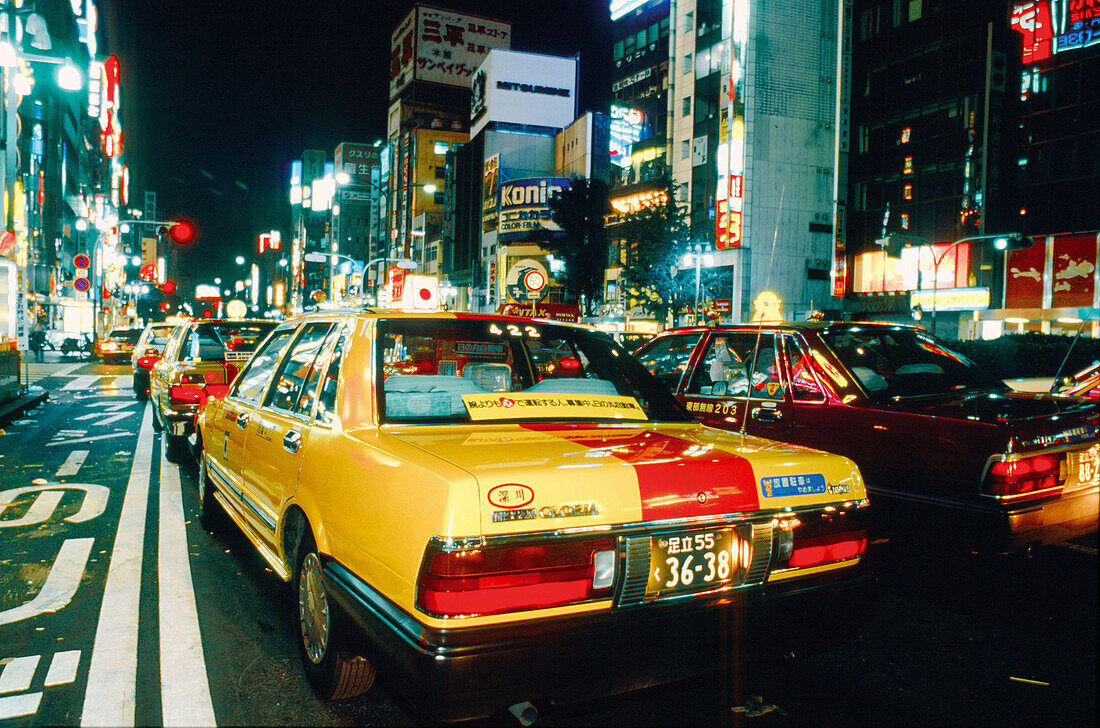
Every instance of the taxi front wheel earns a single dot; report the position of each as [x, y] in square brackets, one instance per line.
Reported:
[334, 673]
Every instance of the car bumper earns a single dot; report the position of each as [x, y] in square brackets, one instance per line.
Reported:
[1071, 515]
[179, 420]
[455, 674]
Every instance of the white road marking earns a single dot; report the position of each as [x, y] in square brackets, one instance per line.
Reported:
[82, 382]
[41, 509]
[17, 675]
[17, 706]
[61, 583]
[112, 673]
[104, 418]
[63, 668]
[184, 688]
[65, 371]
[124, 381]
[87, 439]
[112, 405]
[72, 463]
[94, 503]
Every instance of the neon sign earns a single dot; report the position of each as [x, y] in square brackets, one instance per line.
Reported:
[1055, 26]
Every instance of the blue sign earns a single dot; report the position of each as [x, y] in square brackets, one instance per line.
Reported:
[785, 485]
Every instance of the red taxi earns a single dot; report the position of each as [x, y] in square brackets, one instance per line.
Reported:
[497, 510]
[946, 448]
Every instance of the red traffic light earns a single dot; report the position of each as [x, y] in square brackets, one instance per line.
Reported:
[164, 306]
[207, 313]
[169, 287]
[182, 232]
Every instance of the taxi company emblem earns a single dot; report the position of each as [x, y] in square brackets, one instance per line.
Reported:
[567, 510]
[511, 495]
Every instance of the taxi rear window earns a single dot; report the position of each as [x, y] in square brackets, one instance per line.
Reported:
[480, 370]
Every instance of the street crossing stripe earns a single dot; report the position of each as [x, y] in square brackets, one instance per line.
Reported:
[72, 463]
[184, 688]
[63, 668]
[82, 382]
[16, 706]
[112, 673]
[17, 674]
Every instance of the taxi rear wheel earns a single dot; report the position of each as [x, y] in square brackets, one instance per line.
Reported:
[176, 448]
[332, 671]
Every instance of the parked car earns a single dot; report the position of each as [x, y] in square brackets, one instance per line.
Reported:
[498, 510]
[147, 352]
[198, 354]
[945, 447]
[117, 345]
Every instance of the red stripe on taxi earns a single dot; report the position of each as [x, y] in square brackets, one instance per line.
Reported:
[710, 482]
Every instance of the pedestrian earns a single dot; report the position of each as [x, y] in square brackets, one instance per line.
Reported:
[38, 339]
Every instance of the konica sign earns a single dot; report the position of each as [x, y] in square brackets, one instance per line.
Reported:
[525, 205]
[524, 88]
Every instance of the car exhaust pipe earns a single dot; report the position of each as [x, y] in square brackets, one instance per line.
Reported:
[525, 713]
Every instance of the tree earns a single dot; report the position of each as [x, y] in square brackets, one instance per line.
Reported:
[581, 243]
[654, 238]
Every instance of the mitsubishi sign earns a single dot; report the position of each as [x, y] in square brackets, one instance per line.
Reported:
[524, 88]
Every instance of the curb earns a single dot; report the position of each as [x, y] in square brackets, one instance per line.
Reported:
[11, 409]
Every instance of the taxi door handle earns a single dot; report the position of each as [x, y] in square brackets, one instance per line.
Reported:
[767, 414]
[242, 420]
[292, 440]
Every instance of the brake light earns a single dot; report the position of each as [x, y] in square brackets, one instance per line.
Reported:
[827, 549]
[1033, 476]
[152, 351]
[514, 577]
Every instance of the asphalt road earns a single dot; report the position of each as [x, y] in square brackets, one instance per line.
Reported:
[116, 608]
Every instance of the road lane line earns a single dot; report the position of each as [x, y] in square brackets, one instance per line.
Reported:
[17, 706]
[72, 463]
[82, 382]
[63, 668]
[17, 675]
[61, 583]
[184, 687]
[110, 699]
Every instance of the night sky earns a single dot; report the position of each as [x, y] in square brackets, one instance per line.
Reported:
[219, 97]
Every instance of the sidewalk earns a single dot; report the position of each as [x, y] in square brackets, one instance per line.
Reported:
[10, 409]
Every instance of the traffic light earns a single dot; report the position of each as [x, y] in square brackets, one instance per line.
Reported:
[181, 232]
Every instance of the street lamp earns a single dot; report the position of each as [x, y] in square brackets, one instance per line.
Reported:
[893, 244]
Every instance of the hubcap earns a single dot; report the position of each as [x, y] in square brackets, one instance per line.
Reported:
[202, 480]
[313, 608]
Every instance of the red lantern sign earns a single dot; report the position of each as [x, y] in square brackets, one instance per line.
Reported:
[148, 272]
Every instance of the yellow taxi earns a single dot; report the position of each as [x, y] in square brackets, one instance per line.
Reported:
[498, 510]
[198, 353]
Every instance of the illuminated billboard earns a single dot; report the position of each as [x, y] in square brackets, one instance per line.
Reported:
[524, 88]
[442, 46]
[525, 205]
[628, 127]
[1049, 27]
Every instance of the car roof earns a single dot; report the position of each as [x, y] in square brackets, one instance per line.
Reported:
[791, 326]
[377, 313]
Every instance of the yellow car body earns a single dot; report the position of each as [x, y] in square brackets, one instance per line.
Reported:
[491, 557]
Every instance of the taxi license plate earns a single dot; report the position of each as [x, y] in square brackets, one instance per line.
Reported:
[1084, 465]
[683, 563]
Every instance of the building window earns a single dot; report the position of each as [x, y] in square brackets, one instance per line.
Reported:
[687, 106]
[441, 147]
[663, 25]
[907, 168]
[689, 21]
[907, 192]
[906, 133]
[687, 63]
[618, 50]
[685, 149]
[914, 10]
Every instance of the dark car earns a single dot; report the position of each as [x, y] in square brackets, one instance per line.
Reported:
[147, 352]
[943, 445]
[117, 345]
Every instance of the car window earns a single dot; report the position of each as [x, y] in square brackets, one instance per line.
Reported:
[905, 362]
[330, 364]
[666, 357]
[128, 335]
[250, 383]
[723, 369]
[173, 345]
[804, 384]
[455, 371]
[288, 393]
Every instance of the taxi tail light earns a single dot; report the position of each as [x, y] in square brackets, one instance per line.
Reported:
[147, 362]
[1035, 475]
[512, 577]
[151, 351]
[827, 548]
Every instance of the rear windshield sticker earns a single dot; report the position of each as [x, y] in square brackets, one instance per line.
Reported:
[480, 348]
[520, 406]
[784, 485]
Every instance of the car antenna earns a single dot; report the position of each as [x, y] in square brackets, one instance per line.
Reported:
[1058, 374]
[760, 323]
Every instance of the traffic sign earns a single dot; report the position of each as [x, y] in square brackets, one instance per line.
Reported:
[81, 284]
[81, 261]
